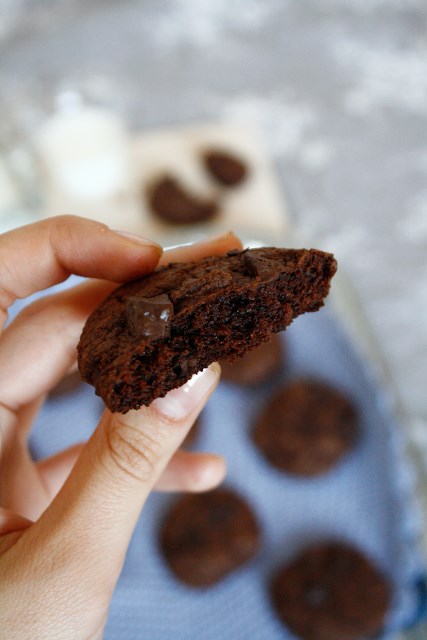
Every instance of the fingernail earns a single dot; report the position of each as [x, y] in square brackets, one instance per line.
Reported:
[139, 240]
[179, 403]
[218, 238]
[209, 240]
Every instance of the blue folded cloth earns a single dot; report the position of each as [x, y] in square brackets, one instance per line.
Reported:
[367, 500]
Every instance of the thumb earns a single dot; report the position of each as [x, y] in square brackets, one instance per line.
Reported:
[92, 518]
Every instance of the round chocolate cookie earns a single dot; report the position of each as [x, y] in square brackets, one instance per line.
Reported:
[256, 366]
[225, 167]
[172, 203]
[306, 428]
[206, 536]
[331, 592]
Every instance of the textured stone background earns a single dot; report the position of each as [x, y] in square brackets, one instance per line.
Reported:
[339, 90]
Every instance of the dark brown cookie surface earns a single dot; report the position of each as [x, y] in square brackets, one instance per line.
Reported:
[257, 365]
[331, 592]
[225, 167]
[207, 536]
[306, 427]
[152, 335]
[171, 202]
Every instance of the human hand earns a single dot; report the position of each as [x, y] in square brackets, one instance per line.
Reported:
[66, 522]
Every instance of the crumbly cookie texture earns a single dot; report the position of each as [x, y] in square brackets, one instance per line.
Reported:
[256, 366]
[151, 335]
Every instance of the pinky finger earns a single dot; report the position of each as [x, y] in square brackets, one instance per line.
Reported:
[193, 472]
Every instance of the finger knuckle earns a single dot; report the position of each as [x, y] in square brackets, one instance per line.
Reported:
[136, 452]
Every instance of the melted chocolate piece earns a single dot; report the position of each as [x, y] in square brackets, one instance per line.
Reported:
[257, 267]
[149, 317]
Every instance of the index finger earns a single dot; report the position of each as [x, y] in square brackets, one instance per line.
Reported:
[39, 346]
[45, 253]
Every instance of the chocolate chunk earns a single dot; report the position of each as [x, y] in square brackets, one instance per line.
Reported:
[257, 267]
[225, 167]
[149, 317]
[171, 202]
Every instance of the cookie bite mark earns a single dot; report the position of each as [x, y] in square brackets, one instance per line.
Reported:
[256, 366]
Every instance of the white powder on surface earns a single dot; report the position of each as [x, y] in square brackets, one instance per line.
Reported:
[283, 121]
[382, 77]
[370, 6]
[316, 154]
[204, 23]
[413, 223]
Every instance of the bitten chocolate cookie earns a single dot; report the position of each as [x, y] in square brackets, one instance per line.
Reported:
[331, 592]
[257, 365]
[306, 427]
[152, 335]
[225, 167]
[171, 202]
[207, 536]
